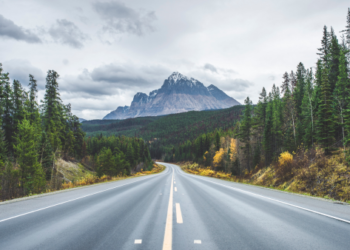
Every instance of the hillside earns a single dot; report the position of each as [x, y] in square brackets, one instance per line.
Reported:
[165, 131]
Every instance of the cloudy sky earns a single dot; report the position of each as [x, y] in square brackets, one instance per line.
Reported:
[107, 51]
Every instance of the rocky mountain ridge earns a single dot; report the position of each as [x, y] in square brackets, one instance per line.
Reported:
[177, 94]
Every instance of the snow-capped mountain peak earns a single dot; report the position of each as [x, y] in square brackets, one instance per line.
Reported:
[178, 93]
[176, 76]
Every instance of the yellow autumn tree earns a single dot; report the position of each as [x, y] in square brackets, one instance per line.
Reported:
[218, 157]
[285, 158]
[233, 150]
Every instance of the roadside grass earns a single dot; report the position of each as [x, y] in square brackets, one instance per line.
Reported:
[90, 178]
[254, 180]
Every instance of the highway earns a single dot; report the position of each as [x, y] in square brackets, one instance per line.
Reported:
[173, 210]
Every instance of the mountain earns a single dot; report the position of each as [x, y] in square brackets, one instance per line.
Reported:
[81, 120]
[178, 94]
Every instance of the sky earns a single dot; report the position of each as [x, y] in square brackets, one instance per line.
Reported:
[107, 51]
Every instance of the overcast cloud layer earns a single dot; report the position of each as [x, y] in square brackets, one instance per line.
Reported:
[107, 51]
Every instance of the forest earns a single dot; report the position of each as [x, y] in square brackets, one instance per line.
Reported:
[309, 111]
[34, 136]
[163, 133]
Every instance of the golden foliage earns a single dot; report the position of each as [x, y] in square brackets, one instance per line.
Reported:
[195, 169]
[285, 158]
[218, 157]
[233, 150]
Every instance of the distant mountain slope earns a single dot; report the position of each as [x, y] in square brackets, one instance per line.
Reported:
[178, 94]
[169, 130]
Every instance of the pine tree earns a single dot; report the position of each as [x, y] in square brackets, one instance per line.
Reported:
[325, 122]
[217, 141]
[258, 121]
[18, 99]
[308, 111]
[245, 131]
[7, 119]
[3, 148]
[346, 33]
[32, 105]
[289, 117]
[79, 135]
[286, 83]
[293, 81]
[341, 95]
[277, 120]
[298, 95]
[268, 133]
[334, 53]
[318, 84]
[45, 155]
[32, 175]
[52, 110]
[325, 45]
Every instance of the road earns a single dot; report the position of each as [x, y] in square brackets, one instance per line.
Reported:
[174, 210]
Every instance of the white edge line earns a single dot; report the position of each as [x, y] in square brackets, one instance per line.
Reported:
[34, 211]
[282, 202]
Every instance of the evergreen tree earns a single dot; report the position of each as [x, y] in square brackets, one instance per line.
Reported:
[217, 141]
[293, 81]
[298, 95]
[308, 111]
[106, 163]
[325, 122]
[341, 95]
[258, 121]
[268, 133]
[45, 155]
[3, 148]
[318, 84]
[347, 37]
[7, 119]
[289, 117]
[52, 110]
[32, 175]
[32, 105]
[18, 99]
[245, 130]
[276, 121]
[325, 45]
[334, 53]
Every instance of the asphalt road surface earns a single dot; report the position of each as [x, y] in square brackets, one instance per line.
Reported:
[174, 210]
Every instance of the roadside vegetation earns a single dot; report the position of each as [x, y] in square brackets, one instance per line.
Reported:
[90, 179]
[296, 138]
[43, 148]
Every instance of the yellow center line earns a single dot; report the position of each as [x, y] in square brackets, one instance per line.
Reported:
[168, 234]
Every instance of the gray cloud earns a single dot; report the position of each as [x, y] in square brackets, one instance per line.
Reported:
[10, 30]
[210, 67]
[20, 70]
[122, 19]
[115, 78]
[66, 32]
[236, 84]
